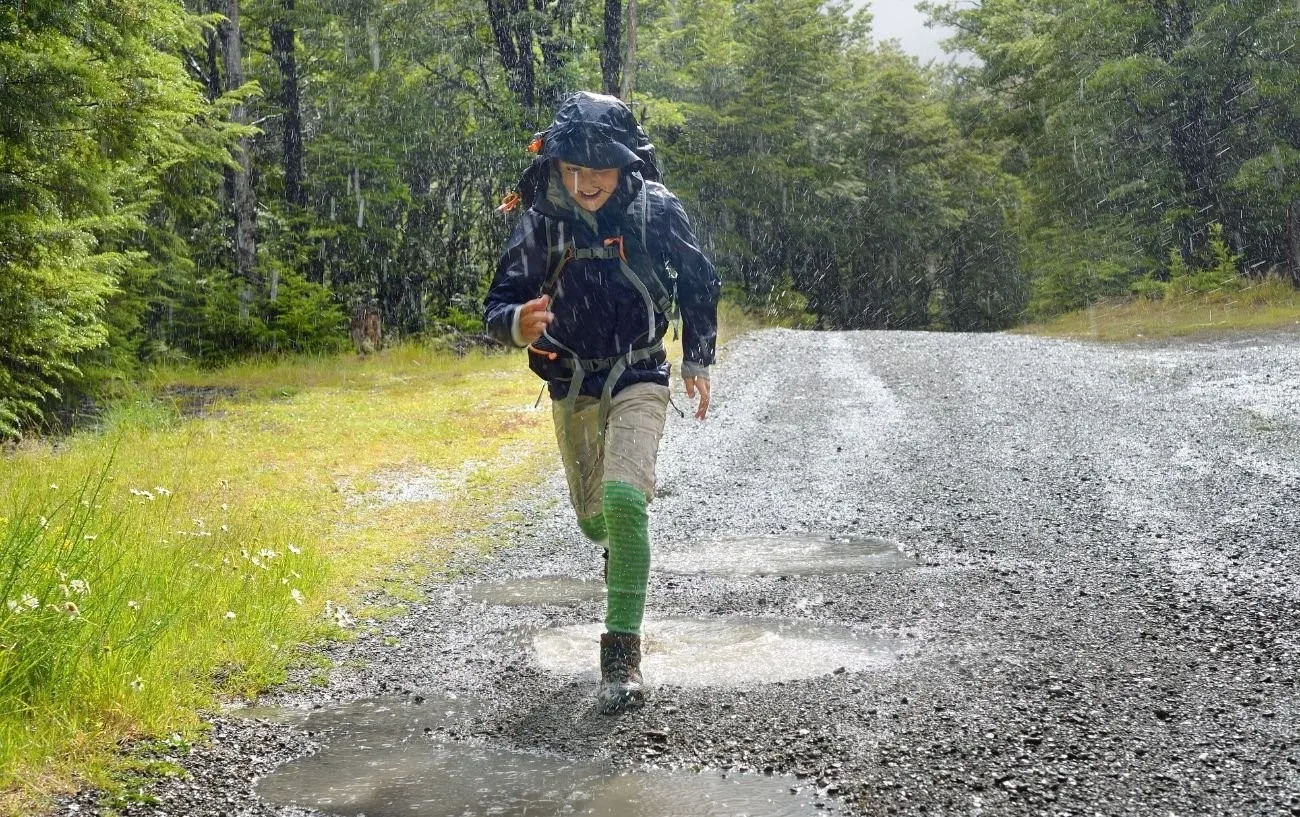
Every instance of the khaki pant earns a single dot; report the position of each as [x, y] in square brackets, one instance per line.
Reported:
[628, 452]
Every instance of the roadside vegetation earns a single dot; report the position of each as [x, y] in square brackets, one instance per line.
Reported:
[166, 561]
[1268, 305]
[1210, 297]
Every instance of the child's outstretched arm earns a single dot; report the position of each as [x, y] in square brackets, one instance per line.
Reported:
[697, 297]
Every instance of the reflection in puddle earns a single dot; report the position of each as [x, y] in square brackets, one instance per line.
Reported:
[533, 592]
[784, 556]
[378, 762]
[722, 652]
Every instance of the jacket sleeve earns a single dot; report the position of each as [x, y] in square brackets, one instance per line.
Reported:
[697, 290]
[519, 277]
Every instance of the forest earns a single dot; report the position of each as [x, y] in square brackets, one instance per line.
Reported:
[209, 180]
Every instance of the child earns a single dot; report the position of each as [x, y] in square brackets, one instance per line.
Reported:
[583, 285]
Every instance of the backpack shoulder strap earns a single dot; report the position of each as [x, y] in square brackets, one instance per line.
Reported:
[558, 252]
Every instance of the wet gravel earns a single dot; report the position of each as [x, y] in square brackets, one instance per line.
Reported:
[1103, 616]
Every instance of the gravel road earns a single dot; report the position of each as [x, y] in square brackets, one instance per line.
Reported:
[1099, 612]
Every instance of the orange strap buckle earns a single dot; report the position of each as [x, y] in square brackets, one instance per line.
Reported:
[618, 239]
[510, 202]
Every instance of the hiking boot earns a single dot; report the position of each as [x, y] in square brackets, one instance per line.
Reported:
[620, 673]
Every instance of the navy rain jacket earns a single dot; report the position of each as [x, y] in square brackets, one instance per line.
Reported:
[598, 312]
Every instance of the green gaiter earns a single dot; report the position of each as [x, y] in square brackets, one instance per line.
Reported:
[629, 557]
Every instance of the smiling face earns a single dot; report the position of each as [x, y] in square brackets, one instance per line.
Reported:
[589, 187]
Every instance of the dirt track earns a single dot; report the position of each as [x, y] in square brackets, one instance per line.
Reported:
[1103, 614]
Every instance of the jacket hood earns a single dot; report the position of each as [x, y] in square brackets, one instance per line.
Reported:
[593, 130]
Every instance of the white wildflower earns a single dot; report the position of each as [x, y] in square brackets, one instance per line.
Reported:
[230, 615]
[162, 491]
[295, 550]
[267, 553]
[54, 487]
[79, 587]
[225, 529]
[344, 619]
[31, 601]
[296, 595]
[14, 607]
[45, 523]
[144, 494]
[90, 537]
[225, 507]
[137, 684]
[257, 562]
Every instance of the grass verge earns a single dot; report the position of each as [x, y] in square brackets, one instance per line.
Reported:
[1269, 304]
[149, 569]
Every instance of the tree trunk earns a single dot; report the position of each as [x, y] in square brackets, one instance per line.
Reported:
[1292, 234]
[610, 57]
[629, 64]
[241, 189]
[283, 48]
[515, 47]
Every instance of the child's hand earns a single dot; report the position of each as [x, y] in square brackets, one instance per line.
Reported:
[701, 385]
[534, 317]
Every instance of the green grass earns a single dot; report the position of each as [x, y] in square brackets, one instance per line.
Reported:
[162, 563]
[171, 559]
[1265, 305]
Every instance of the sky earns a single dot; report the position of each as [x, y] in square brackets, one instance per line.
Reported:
[898, 19]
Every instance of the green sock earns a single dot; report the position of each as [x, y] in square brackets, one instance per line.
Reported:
[594, 529]
[629, 557]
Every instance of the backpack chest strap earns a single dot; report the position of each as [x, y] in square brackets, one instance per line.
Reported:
[597, 253]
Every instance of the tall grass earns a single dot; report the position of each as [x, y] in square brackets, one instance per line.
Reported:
[164, 561]
[119, 604]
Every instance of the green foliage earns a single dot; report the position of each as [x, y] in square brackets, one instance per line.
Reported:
[1072, 270]
[1217, 269]
[95, 108]
[117, 603]
[819, 159]
[1146, 122]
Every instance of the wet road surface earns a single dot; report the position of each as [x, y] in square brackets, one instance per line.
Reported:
[1088, 600]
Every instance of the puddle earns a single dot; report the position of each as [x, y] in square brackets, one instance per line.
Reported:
[377, 761]
[785, 556]
[534, 592]
[722, 652]
[271, 714]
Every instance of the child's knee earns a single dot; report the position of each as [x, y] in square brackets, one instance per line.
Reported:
[623, 503]
[594, 528]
